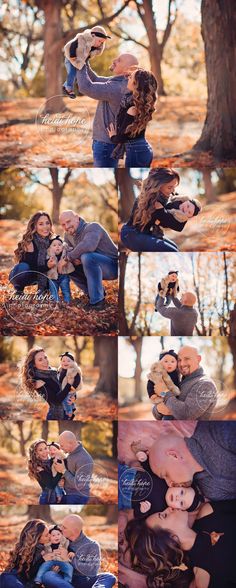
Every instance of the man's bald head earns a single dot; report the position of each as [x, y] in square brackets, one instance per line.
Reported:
[169, 459]
[68, 441]
[188, 299]
[188, 360]
[69, 221]
[123, 63]
[72, 526]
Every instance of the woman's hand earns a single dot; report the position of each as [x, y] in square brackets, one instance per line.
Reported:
[39, 384]
[61, 483]
[202, 578]
[47, 556]
[145, 506]
[59, 467]
[111, 130]
[51, 262]
[62, 551]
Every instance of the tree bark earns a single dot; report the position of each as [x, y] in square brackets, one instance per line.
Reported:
[111, 514]
[57, 192]
[137, 344]
[106, 352]
[114, 439]
[35, 511]
[219, 36]
[53, 55]
[30, 341]
[72, 426]
[123, 324]
[125, 186]
[208, 186]
[45, 430]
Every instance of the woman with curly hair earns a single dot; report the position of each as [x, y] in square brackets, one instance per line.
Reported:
[40, 469]
[143, 231]
[136, 110]
[27, 556]
[38, 377]
[31, 254]
[166, 549]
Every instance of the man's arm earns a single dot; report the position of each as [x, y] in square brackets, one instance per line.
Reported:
[98, 90]
[201, 397]
[163, 310]
[79, 480]
[176, 302]
[87, 559]
[94, 77]
[88, 244]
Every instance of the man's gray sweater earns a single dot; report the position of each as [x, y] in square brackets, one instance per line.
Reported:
[109, 92]
[213, 445]
[87, 558]
[79, 469]
[88, 238]
[182, 318]
[197, 399]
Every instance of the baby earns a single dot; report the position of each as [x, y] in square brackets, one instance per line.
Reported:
[84, 45]
[168, 286]
[181, 208]
[59, 274]
[57, 456]
[163, 378]
[57, 541]
[69, 373]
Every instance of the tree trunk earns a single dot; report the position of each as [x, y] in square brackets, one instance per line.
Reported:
[111, 514]
[114, 439]
[72, 426]
[45, 430]
[125, 186]
[106, 350]
[232, 344]
[30, 341]
[208, 186]
[20, 425]
[219, 35]
[155, 49]
[40, 512]
[57, 192]
[123, 325]
[53, 55]
[137, 344]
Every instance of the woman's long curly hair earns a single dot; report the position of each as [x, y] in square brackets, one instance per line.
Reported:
[150, 192]
[29, 233]
[144, 98]
[34, 462]
[22, 557]
[27, 373]
[157, 554]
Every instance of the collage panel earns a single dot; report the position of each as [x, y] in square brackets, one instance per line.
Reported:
[176, 378]
[58, 463]
[58, 378]
[88, 533]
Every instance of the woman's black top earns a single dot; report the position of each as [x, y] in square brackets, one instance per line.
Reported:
[166, 219]
[214, 547]
[31, 257]
[51, 391]
[45, 477]
[123, 120]
[34, 566]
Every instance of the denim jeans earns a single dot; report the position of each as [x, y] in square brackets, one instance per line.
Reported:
[48, 496]
[71, 75]
[102, 154]
[138, 153]
[137, 241]
[98, 267]
[103, 580]
[63, 283]
[74, 499]
[65, 568]
[21, 275]
[11, 580]
[126, 476]
[68, 406]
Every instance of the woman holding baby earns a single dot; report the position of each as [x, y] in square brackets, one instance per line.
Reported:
[155, 209]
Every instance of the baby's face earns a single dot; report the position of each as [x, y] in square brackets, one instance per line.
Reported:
[173, 277]
[178, 497]
[187, 208]
[52, 451]
[56, 247]
[66, 362]
[169, 363]
[56, 536]
[98, 41]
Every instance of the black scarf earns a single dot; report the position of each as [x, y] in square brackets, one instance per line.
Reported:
[42, 244]
[51, 373]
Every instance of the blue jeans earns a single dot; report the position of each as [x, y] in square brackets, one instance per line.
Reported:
[137, 241]
[125, 474]
[65, 568]
[102, 154]
[71, 75]
[11, 580]
[75, 499]
[138, 153]
[21, 276]
[98, 267]
[63, 283]
[48, 496]
[69, 406]
[103, 580]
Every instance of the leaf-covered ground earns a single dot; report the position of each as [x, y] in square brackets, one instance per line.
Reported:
[175, 128]
[16, 488]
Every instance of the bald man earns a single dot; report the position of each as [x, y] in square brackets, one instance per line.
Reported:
[109, 92]
[78, 469]
[86, 561]
[208, 458]
[92, 248]
[183, 318]
[198, 393]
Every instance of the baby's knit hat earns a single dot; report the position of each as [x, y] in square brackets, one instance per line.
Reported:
[170, 352]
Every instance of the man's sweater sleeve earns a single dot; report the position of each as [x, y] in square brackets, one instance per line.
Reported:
[87, 559]
[176, 302]
[198, 401]
[163, 310]
[94, 77]
[88, 244]
[77, 480]
[98, 90]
